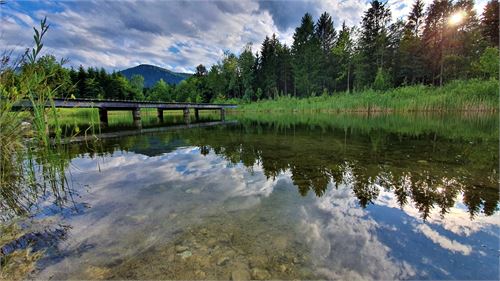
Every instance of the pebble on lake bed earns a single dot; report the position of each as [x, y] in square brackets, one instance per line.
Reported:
[260, 274]
[97, 272]
[186, 254]
[240, 275]
[180, 249]
[222, 261]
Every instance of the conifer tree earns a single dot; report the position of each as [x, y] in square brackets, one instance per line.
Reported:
[490, 22]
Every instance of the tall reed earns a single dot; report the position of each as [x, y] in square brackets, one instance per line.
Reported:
[471, 95]
[31, 164]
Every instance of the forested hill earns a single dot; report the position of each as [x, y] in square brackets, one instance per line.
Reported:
[153, 74]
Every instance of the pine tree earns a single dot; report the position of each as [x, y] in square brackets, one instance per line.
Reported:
[490, 22]
[268, 68]
[285, 81]
[342, 53]
[82, 75]
[306, 51]
[411, 49]
[373, 42]
[394, 55]
[415, 22]
[436, 38]
[326, 34]
[246, 64]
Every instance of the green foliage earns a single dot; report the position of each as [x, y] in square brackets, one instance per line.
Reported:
[381, 82]
[161, 91]
[137, 87]
[489, 62]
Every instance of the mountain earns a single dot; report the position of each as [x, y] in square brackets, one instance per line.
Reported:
[153, 74]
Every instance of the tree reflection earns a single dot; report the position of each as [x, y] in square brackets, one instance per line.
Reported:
[367, 163]
[421, 169]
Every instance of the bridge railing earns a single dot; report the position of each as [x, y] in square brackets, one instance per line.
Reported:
[139, 102]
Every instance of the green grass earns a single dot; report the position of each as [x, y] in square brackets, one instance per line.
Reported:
[470, 95]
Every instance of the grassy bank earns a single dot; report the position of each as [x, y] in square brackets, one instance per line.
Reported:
[471, 95]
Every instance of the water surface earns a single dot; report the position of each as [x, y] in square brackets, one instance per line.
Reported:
[285, 197]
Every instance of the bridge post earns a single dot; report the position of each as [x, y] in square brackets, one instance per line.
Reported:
[196, 114]
[136, 115]
[187, 117]
[103, 116]
[160, 114]
[222, 114]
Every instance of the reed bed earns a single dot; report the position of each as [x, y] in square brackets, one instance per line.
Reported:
[470, 95]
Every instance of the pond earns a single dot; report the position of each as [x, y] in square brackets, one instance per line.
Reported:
[289, 196]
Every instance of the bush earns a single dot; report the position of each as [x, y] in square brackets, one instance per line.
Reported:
[381, 82]
[488, 62]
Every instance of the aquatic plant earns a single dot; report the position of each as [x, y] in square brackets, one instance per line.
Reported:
[32, 164]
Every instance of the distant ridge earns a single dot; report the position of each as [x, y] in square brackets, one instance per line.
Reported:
[153, 74]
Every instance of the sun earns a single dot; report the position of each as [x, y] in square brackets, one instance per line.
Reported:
[456, 18]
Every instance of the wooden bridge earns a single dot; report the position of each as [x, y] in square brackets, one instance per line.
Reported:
[135, 107]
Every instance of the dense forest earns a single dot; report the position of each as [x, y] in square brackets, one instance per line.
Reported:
[442, 42]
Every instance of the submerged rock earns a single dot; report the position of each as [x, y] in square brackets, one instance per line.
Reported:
[180, 249]
[97, 272]
[222, 261]
[240, 275]
[186, 254]
[260, 274]
[257, 261]
[200, 274]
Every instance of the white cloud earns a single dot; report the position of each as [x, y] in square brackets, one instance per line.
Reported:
[443, 241]
[121, 34]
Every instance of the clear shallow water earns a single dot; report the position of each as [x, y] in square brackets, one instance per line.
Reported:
[344, 197]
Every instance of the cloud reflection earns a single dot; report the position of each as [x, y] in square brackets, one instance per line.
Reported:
[343, 240]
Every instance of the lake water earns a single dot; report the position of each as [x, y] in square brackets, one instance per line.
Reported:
[284, 197]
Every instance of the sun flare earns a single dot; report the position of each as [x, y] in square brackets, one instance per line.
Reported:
[456, 18]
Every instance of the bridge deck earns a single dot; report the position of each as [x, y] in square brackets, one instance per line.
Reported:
[135, 106]
[127, 105]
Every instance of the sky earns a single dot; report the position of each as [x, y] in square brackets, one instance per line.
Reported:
[176, 35]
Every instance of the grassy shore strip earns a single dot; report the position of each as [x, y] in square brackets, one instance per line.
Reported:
[470, 95]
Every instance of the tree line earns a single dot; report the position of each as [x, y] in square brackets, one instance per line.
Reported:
[442, 42]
